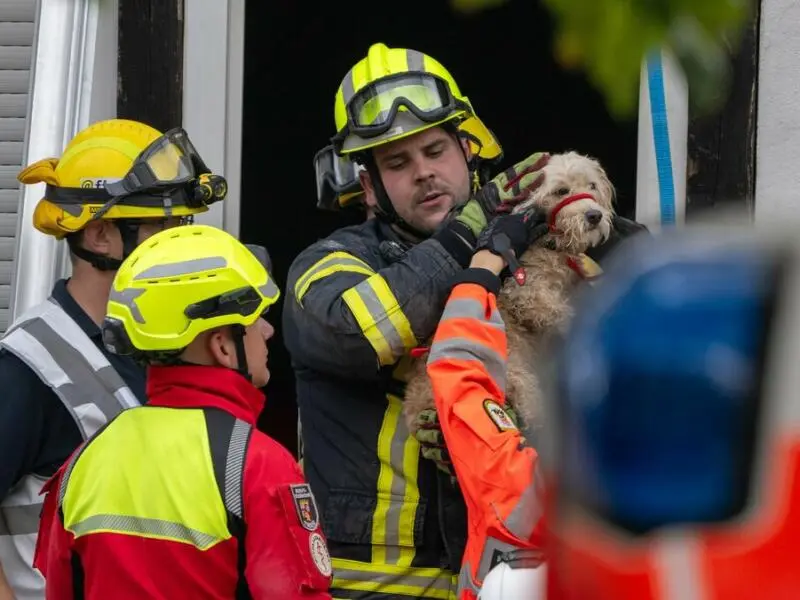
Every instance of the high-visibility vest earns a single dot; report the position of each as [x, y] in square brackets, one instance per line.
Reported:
[55, 347]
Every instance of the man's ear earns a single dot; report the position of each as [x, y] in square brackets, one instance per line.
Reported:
[466, 147]
[99, 236]
[370, 199]
[221, 347]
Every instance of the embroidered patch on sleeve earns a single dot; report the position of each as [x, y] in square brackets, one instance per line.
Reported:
[320, 555]
[498, 416]
[305, 505]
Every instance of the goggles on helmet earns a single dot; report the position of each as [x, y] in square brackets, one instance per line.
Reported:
[169, 161]
[372, 109]
[337, 179]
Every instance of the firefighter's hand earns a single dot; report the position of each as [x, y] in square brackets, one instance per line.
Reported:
[431, 440]
[513, 185]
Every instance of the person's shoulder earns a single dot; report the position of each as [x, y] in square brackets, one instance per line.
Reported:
[271, 459]
[16, 377]
[354, 239]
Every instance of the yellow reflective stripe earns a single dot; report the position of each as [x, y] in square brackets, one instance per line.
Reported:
[398, 492]
[331, 263]
[389, 302]
[380, 318]
[422, 582]
[368, 326]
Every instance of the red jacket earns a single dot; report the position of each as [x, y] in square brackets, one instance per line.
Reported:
[286, 553]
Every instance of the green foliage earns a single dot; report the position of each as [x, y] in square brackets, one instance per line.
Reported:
[608, 39]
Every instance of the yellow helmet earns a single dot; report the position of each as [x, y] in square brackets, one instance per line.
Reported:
[393, 93]
[106, 154]
[182, 282]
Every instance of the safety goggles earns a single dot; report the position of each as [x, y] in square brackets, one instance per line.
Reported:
[337, 179]
[169, 161]
[372, 109]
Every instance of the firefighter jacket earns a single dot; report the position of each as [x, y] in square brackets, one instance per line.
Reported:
[496, 470]
[57, 343]
[183, 498]
[357, 302]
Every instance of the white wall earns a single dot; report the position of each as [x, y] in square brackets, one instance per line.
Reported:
[778, 135]
[213, 72]
[74, 82]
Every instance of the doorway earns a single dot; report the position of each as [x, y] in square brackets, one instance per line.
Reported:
[295, 57]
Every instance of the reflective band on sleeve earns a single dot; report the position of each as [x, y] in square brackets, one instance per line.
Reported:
[464, 349]
[380, 318]
[351, 576]
[334, 262]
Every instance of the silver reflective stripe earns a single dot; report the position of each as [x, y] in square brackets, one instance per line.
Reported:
[234, 467]
[184, 267]
[679, 573]
[422, 586]
[491, 547]
[348, 88]
[145, 527]
[380, 318]
[415, 60]
[269, 289]
[465, 581]
[66, 359]
[467, 308]
[127, 297]
[397, 490]
[459, 348]
[526, 514]
[19, 513]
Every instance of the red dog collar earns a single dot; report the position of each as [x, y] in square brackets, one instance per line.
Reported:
[551, 220]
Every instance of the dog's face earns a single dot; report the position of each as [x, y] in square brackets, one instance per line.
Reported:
[582, 223]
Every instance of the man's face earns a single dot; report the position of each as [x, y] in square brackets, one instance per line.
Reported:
[425, 175]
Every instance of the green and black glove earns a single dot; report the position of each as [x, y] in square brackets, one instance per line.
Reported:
[513, 185]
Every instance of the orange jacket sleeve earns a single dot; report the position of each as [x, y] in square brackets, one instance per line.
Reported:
[496, 470]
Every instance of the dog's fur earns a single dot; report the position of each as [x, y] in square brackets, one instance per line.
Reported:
[534, 311]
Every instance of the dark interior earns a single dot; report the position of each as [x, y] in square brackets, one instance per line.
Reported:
[295, 57]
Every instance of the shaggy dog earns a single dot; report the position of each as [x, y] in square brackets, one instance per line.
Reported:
[577, 198]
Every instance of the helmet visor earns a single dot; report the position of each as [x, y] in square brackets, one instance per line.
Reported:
[337, 179]
[373, 109]
[168, 161]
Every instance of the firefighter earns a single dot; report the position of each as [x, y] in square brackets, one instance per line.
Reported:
[184, 497]
[360, 300]
[117, 183]
[678, 442]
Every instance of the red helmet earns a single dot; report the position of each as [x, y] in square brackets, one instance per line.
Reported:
[676, 468]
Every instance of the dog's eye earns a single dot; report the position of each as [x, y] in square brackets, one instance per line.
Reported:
[562, 191]
[592, 185]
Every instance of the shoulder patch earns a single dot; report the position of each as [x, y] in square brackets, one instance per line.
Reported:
[305, 505]
[498, 416]
[319, 554]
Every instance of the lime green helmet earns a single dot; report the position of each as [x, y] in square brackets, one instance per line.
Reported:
[393, 93]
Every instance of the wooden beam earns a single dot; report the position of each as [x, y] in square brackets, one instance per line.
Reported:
[150, 62]
[721, 169]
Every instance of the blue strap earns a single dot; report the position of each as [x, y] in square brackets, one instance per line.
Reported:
[658, 116]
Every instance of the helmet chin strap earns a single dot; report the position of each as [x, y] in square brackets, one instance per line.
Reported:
[238, 332]
[129, 232]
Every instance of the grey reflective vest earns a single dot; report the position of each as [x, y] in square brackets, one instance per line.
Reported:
[54, 346]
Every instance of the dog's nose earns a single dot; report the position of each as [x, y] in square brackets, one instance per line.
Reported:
[593, 217]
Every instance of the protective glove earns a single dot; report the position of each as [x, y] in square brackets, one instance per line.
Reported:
[508, 236]
[513, 185]
[431, 440]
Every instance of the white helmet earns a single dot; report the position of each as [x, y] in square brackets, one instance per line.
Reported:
[518, 576]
